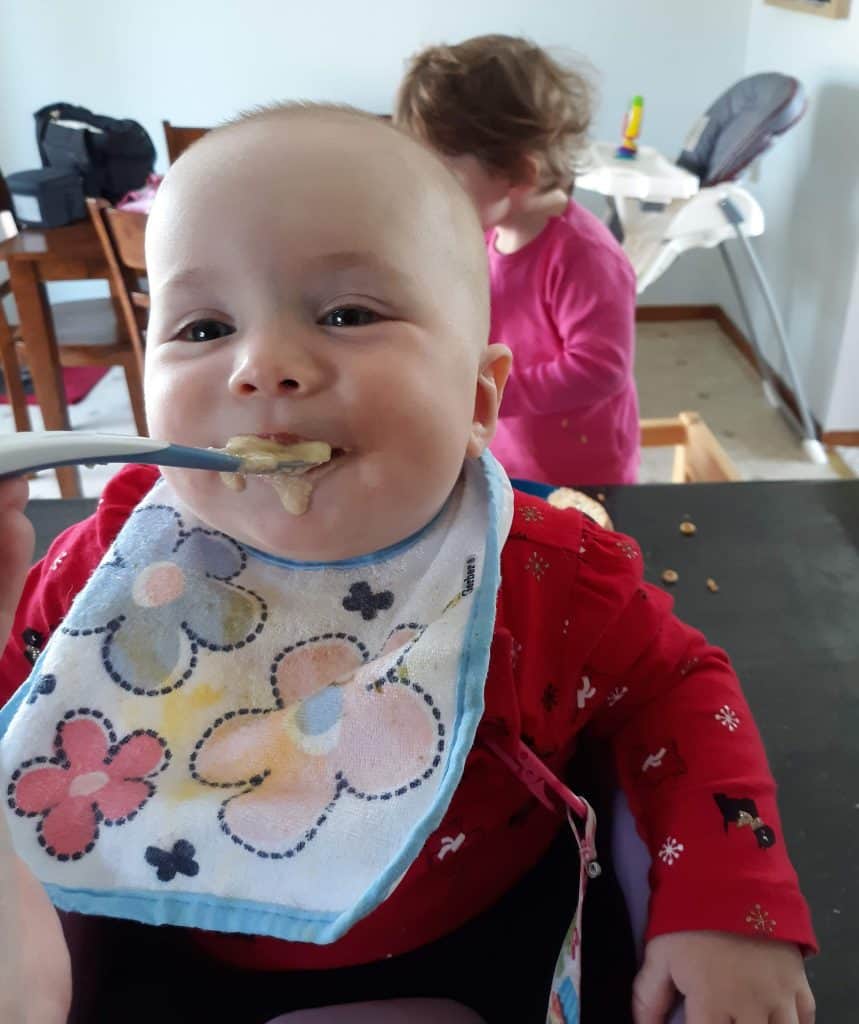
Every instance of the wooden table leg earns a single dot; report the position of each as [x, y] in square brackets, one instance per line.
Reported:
[37, 330]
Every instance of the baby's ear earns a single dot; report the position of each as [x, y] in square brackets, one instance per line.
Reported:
[528, 172]
[491, 377]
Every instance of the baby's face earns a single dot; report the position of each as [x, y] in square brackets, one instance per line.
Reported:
[310, 281]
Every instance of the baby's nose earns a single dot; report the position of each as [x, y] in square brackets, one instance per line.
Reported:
[245, 383]
[276, 366]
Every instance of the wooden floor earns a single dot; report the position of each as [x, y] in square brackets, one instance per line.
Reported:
[691, 364]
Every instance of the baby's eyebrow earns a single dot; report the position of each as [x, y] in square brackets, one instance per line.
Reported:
[359, 259]
[189, 277]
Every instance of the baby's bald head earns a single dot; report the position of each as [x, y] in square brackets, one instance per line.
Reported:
[324, 156]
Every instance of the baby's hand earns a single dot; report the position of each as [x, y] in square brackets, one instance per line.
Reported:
[724, 978]
[16, 550]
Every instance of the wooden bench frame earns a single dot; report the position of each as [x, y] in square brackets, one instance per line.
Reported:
[698, 456]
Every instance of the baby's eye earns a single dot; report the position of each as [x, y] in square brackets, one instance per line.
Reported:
[349, 316]
[205, 330]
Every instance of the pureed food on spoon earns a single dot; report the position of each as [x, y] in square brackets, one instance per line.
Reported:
[264, 456]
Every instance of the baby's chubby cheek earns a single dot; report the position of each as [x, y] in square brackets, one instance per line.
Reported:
[178, 405]
[402, 475]
[202, 491]
[158, 417]
[372, 474]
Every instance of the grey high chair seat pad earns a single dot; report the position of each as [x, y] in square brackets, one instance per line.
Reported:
[740, 125]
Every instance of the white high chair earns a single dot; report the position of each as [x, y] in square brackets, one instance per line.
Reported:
[656, 228]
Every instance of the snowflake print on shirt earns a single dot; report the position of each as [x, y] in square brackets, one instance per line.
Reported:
[670, 850]
[760, 920]
[536, 565]
[515, 653]
[728, 717]
[626, 549]
[531, 514]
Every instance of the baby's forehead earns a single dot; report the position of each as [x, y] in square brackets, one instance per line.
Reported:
[336, 182]
[295, 208]
[281, 153]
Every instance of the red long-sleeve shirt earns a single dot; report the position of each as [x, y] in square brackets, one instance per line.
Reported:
[580, 642]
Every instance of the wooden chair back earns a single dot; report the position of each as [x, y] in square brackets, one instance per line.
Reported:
[179, 138]
[88, 332]
[8, 224]
[5, 197]
[8, 342]
[121, 233]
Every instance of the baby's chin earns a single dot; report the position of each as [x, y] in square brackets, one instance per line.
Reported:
[345, 517]
[254, 514]
[306, 538]
[256, 517]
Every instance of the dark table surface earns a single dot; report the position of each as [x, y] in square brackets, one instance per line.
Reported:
[786, 559]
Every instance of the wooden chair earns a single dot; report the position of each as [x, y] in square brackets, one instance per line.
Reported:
[178, 139]
[89, 332]
[5, 202]
[9, 363]
[121, 233]
[698, 456]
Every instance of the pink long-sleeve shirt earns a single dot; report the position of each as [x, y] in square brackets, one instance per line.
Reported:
[565, 304]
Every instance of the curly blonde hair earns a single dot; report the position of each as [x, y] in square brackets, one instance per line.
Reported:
[501, 99]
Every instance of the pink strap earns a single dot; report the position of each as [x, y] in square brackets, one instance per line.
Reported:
[543, 783]
[553, 794]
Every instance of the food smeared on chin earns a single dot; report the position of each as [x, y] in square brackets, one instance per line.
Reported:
[294, 492]
[282, 465]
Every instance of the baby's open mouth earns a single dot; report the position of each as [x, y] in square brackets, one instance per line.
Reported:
[287, 462]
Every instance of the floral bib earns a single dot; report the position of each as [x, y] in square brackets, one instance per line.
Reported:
[220, 739]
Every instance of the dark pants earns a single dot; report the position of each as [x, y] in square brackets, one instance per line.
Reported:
[500, 964]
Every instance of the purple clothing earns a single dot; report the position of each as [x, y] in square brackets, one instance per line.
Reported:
[565, 305]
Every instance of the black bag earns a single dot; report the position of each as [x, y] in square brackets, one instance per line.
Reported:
[112, 156]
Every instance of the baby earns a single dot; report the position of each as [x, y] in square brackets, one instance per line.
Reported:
[299, 735]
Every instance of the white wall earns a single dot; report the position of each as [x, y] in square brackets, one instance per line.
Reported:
[197, 62]
[194, 61]
[843, 411]
[809, 189]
